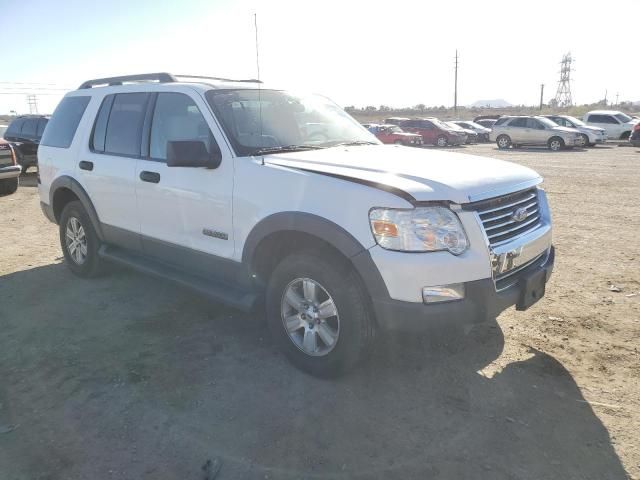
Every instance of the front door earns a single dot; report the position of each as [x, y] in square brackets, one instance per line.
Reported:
[185, 212]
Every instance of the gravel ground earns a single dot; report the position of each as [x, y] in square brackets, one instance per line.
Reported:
[128, 377]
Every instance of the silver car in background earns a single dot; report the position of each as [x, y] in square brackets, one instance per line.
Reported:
[533, 130]
[590, 135]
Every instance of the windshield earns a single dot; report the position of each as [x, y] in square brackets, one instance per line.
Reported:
[547, 123]
[575, 121]
[441, 124]
[454, 126]
[623, 117]
[257, 120]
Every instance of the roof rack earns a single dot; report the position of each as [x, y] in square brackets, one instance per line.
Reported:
[248, 80]
[160, 77]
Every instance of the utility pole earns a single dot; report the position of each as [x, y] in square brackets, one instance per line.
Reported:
[32, 101]
[541, 95]
[606, 92]
[617, 95]
[455, 90]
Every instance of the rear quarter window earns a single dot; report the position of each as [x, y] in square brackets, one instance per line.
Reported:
[64, 122]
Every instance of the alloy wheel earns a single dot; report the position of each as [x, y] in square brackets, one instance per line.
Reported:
[76, 241]
[310, 317]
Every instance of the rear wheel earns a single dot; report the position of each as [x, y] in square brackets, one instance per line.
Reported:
[8, 186]
[555, 144]
[441, 141]
[317, 312]
[79, 241]
[503, 142]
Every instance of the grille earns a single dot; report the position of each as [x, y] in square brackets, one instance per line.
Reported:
[497, 214]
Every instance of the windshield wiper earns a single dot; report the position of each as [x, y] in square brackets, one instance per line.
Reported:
[352, 143]
[285, 149]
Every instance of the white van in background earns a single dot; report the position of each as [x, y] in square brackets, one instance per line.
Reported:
[617, 124]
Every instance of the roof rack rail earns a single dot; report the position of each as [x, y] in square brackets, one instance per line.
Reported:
[249, 80]
[160, 77]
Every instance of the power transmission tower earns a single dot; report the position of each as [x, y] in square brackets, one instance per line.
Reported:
[455, 90]
[563, 95]
[32, 101]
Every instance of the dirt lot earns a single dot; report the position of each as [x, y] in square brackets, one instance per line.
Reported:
[127, 377]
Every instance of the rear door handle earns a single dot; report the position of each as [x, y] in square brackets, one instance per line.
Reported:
[84, 165]
[151, 177]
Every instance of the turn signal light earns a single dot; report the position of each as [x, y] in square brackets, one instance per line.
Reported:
[384, 229]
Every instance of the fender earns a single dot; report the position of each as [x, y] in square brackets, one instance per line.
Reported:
[325, 230]
[65, 181]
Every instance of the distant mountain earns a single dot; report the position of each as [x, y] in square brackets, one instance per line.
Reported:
[496, 103]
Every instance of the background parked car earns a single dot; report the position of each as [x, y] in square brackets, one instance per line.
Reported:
[526, 130]
[486, 122]
[635, 136]
[590, 135]
[434, 131]
[24, 134]
[617, 124]
[482, 132]
[472, 136]
[393, 134]
[3, 128]
[9, 169]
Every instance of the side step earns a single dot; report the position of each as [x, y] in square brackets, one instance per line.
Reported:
[216, 291]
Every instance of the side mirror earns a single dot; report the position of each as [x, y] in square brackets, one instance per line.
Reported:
[191, 153]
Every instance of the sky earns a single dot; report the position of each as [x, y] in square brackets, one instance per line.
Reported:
[356, 52]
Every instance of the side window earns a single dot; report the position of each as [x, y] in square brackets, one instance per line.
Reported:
[533, 123]
[560, 121]
[29, 128]
[41, 124]
[100, 125]
[426, 125]
[177, 117]
[501, 121]
[124, 127]
[518, 122]
[602, 119]
[62, 126]
[15, 127]
[610, 119]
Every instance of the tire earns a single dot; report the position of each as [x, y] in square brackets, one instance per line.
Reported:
[8, 186]
[328, 346]
[83, 260]
[625, 136]
[503, 142]
[441, 141]
[585, 140]
[555, 144]
[399, 142]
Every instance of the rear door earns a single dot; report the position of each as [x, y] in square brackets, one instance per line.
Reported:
[536, 132]
[107, 166]
[184, 211]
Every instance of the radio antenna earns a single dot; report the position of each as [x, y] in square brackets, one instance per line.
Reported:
[255, 26]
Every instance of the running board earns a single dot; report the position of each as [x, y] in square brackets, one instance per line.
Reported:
[216, 291]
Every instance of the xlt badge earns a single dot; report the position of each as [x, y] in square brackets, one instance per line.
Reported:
[213, 233]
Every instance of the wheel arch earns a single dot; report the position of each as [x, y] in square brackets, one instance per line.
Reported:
[279, 234]
[65, 189]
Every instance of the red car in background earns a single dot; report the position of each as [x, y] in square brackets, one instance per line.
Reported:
[394, 134]
[434, 131]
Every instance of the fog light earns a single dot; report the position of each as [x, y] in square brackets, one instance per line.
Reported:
[443, 293]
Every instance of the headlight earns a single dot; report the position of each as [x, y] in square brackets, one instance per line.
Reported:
[423, 229]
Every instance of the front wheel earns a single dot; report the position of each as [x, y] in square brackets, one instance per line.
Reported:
[79, 241]
[317, 312]
[555, 144]
[503, 142]
[441, 141]
[584, 142]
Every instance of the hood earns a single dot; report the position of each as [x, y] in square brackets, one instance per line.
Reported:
[565, 129]
[422, 175]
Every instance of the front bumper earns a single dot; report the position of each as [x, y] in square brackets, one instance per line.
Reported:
[481, 302]
[11, 171]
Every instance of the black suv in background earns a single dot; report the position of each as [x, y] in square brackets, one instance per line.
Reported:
[24, 134]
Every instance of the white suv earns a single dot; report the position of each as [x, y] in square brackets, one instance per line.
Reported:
[618, 125]
[247, 193]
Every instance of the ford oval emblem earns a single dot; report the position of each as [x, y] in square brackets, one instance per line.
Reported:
[520, 214]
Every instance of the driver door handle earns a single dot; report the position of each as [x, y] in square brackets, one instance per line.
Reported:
[151, 177]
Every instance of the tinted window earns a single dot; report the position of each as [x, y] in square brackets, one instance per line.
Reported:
[15, 127]
[124, 128]
[602, 119]
[41, 124]
[100, 127]
[560, 121]
[533, 123]
[518, 122]
[500, 121]
[176, 117]
[426, 125]
[29, 128]
[63, 124]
